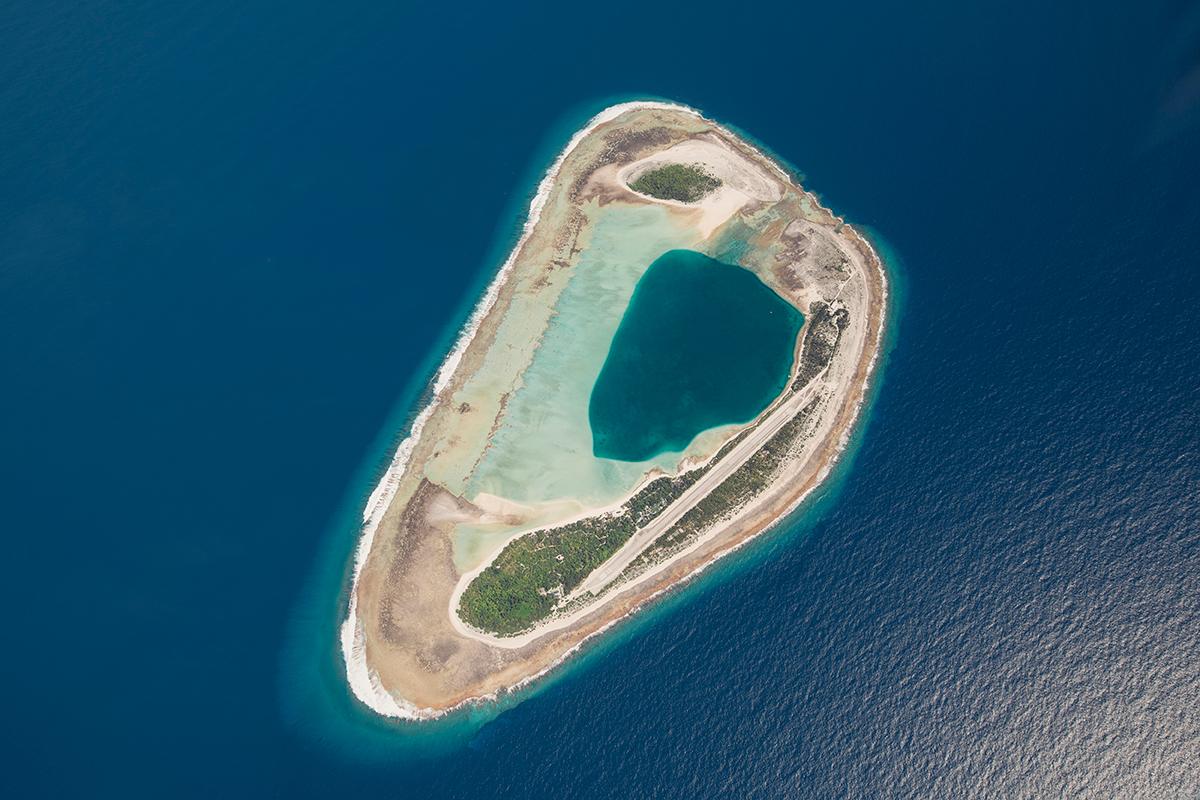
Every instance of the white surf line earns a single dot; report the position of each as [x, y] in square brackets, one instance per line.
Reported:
[364, 682]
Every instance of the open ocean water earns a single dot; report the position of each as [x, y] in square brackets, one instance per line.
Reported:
[236, 239]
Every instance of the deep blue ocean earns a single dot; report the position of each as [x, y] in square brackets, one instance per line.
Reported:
[236, 238]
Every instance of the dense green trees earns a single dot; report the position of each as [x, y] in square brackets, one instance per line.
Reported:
[686, 183]
[532, 575]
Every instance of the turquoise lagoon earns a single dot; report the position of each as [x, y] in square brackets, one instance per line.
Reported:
[702, 344]
[542, 451]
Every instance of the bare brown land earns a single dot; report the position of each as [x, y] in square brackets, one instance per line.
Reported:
[407, 651]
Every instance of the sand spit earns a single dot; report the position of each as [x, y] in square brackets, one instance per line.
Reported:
[405, 655]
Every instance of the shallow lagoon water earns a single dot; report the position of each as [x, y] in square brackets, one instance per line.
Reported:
[543, 448]
[702, 344]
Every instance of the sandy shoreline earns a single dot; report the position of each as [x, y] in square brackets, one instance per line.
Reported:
[365, 681]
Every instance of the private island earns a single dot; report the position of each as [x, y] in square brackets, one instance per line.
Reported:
[670, 360]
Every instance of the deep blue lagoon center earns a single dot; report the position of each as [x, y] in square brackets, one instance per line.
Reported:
[702, 344]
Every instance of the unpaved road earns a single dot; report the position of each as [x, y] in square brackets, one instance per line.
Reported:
[735, 458]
